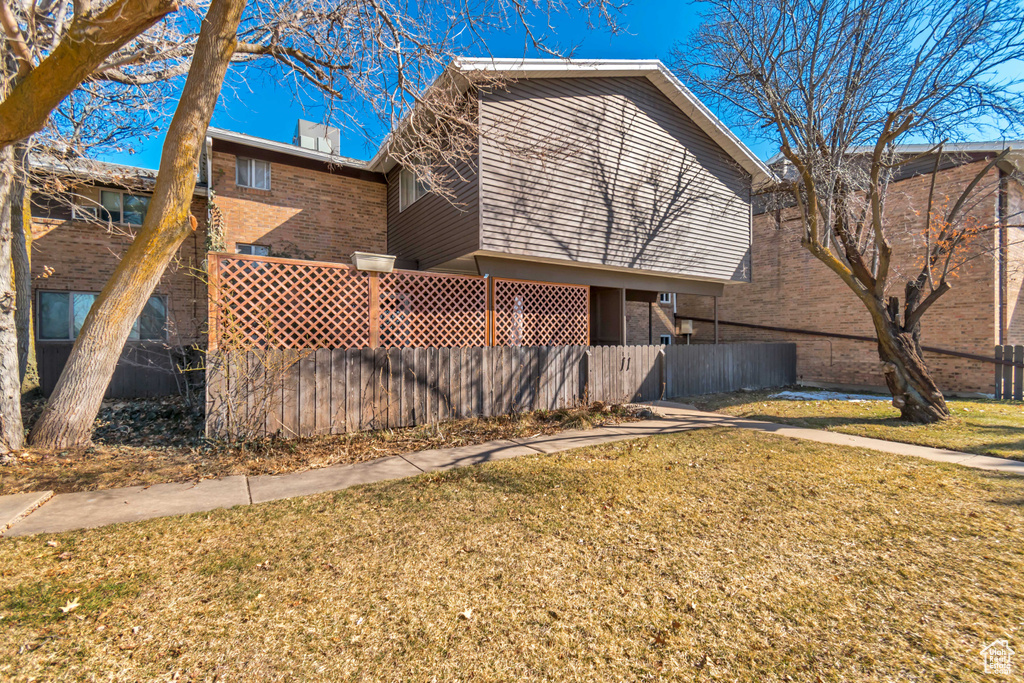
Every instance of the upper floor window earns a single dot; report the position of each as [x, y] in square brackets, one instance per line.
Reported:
[410, 188]
[62, 314]
[252, 249]
[252, 173]
[665, 298]
[119, 207]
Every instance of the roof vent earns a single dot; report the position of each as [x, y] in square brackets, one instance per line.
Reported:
[317, 136]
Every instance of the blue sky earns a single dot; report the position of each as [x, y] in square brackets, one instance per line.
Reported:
[270, 111]
[267, 109]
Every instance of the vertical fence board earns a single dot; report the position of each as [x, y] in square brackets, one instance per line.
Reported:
[444, 381]
[1008, 373]
[272, 392]
[1018, 373]
[998, 372]
[371, 377]
[307, 393]
[458, 409]
[292, 392]
[339, 397]
[324, 399]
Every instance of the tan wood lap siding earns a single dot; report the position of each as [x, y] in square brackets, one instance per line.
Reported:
[434, 230]
[614, 174]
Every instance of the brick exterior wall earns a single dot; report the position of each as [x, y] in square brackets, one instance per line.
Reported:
[1014, 305]
[644, 324]
[76, 256]
[791, 288]
[306, 214]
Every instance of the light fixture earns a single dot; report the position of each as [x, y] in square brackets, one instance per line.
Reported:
[375, 263]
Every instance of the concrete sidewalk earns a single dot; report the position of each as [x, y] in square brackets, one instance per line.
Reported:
[35, 513]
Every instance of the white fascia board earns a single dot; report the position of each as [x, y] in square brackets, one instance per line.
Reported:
[284, 148]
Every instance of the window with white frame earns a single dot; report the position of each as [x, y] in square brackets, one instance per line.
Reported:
[60, 316]
[666, 339]
[252, 173]
[84, 213]
[115, 206]
[665, 298]
[252, 249]
[410, 188]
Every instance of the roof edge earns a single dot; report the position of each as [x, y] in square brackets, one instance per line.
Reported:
[284, 148]
[653, 69]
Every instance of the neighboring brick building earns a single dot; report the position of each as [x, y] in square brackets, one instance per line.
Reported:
[299, 203]
[792, 289]
[651, 322]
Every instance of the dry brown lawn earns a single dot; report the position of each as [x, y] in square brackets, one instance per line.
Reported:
[709, 555]
[977, 426]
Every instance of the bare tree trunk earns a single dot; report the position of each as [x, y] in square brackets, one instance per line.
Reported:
[12, 433]
[913, 390]
[21, 245]
[69, 414]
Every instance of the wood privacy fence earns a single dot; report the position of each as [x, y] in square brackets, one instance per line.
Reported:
[332, 391]
[1010, 372]
[258, 302]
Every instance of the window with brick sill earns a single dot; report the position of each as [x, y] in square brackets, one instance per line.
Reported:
[252, 174]
[252, 249]
[114, 206]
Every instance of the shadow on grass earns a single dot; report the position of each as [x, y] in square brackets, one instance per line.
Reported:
[819, 422]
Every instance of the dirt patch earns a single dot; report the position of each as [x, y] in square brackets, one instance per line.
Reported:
[151, 442]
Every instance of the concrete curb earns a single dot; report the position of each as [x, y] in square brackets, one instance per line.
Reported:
[35, 513]
[18, 506]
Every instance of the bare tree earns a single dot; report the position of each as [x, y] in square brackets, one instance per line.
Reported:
[76, 398]
[378, 54]
[839, 86]
[53, 48]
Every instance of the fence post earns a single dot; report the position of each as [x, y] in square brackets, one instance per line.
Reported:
[1018, 373]
[999, 373]
[584, 377]
[490, 333]
[213, 300]
[1008, 372]
[374, 310]
[662, 373]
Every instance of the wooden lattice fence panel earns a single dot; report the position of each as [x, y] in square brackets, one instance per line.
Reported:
[528, 313]
[432, 310]
[278, 303]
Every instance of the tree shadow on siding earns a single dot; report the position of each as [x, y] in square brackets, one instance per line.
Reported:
[634, 204]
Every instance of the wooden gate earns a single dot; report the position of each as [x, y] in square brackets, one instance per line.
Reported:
[618, 374]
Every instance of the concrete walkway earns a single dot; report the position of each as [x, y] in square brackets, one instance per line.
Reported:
[35, 513]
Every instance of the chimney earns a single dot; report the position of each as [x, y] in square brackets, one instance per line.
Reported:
[317, 136]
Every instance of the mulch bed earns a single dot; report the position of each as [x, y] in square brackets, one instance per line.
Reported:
[145, 442]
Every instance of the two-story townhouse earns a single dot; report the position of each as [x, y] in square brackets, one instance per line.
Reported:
[642, 194]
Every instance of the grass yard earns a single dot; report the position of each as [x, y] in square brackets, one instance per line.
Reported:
[708, 555]
[977, 426]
